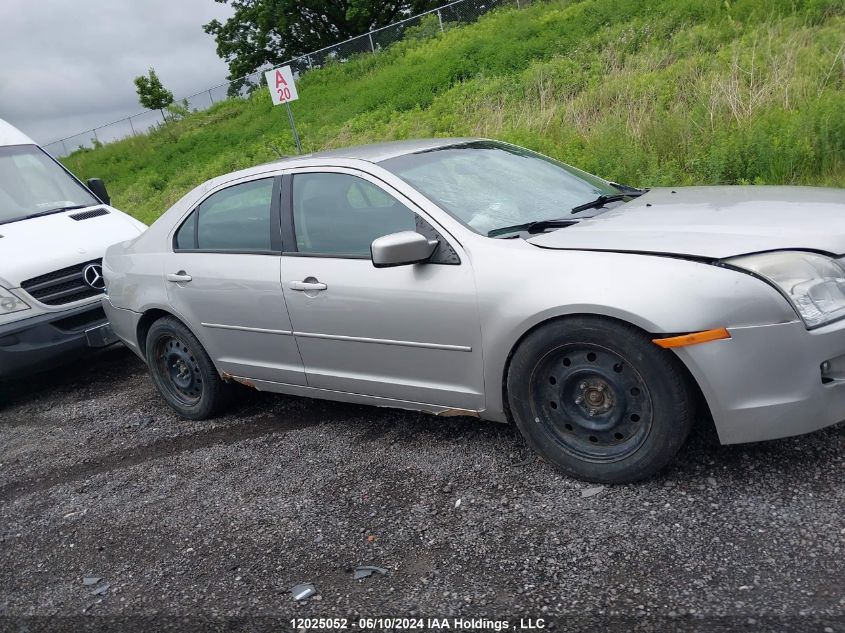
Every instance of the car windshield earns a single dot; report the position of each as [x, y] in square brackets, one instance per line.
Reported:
[489, 185]
[33, 183]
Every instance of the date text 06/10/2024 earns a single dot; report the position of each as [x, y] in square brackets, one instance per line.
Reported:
[416, 624]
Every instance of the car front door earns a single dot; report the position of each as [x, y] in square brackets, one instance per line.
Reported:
[223, 279]
[408, 333]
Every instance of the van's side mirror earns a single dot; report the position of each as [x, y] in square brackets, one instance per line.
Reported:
[98, 187]
[401, 249]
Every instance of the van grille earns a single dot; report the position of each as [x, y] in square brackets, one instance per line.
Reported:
[62, 286]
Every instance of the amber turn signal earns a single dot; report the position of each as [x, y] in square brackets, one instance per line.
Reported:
[693, 339]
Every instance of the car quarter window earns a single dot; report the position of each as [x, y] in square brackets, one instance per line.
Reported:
[237, 218]
[340, 214]
[186, 236]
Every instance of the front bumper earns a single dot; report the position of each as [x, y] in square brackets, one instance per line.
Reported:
[44, 341]
[765, 382]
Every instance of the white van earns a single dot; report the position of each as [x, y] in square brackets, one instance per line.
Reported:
[53, 233]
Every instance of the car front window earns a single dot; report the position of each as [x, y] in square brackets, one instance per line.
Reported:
[488, 185]
[339, 215]
[33, 183]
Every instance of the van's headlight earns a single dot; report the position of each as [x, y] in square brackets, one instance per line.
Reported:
[10, 303]
[815, 284]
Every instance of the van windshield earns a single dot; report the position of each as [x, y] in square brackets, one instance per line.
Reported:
[32, 183]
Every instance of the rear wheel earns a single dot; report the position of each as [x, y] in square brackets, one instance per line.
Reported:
[598, 399]
[183, 372]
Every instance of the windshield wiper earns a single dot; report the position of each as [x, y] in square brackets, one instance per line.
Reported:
[45, 212]
[538, 226]
[628, 189]
[604, 199]
[56, 210]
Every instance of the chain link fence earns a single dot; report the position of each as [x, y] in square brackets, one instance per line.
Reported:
[421, 25]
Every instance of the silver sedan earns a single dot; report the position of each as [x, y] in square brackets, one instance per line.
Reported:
[473, 277]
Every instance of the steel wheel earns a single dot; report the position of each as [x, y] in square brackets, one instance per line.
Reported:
[183, 372]
[179, 370]
[597, 398]
[592, 401]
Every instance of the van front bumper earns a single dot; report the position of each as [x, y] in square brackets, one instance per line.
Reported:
[49, 339]
[771, 381]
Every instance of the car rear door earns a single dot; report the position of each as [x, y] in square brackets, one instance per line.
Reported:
[222, 278]
[407, 333]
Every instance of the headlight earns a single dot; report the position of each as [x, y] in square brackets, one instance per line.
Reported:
[815, 284]
[10, 303]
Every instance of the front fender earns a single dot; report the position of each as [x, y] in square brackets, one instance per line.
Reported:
[660, 295]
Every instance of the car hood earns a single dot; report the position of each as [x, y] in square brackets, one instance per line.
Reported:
[713, 222]
[30, 248]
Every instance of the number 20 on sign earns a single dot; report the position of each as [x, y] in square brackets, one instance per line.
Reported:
[280, 83]
[283, 90]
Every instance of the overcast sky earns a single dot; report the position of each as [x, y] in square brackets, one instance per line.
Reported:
[68, 65]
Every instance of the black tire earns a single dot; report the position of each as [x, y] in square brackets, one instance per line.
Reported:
[182, 371]
[597, 398]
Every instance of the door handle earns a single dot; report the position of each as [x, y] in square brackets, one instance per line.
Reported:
[306, 285]
[181, 276]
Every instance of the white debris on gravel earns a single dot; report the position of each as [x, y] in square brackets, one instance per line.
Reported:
[364, 571]
[303, 591]
[591, 492]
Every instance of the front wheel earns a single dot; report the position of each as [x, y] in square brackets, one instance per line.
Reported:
[598, 399]
[183, 372]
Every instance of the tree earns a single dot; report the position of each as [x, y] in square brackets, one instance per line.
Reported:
[268, 32]
[152, 94]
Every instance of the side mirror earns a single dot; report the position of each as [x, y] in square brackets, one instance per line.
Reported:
[98, 188]
[400, 249]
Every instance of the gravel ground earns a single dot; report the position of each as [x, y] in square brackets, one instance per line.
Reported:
[209, 525]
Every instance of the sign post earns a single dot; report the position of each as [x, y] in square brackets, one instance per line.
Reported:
[293, 129]
[283, 90]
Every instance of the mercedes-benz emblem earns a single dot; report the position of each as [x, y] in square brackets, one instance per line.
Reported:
[93, 276]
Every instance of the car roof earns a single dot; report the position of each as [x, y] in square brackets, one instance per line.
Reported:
[10, 135]
[377, 152]
[373, 153]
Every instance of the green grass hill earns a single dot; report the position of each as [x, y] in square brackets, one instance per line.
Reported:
[649, 93]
